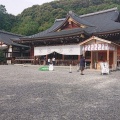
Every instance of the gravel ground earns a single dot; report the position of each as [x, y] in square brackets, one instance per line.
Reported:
[29, 94]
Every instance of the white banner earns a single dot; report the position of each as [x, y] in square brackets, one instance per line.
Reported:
[65, 50]
[102, 46]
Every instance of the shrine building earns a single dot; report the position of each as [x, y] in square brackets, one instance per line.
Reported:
[95, 35]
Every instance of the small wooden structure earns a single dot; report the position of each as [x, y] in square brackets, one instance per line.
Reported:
[99, 50]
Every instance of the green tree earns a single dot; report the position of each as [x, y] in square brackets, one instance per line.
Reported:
[6, 20]
[2, 9]
[27, 27]
[40, 17]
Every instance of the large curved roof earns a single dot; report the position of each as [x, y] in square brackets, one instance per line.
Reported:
[98, 22]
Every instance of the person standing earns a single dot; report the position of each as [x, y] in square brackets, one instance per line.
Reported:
[82, 64]
[53, 60]
[48, 61]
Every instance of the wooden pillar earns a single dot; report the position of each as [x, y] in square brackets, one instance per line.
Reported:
[84, 53]
[108, 54]
[96, 60]
[32, 55]
[78, 57]
[91, 65]
[45, 60]
[115, 58]
[32, 52]
[46, 57]
[63, 62]
[63, 57]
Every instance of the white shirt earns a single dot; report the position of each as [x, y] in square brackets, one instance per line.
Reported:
[53, 59]
[48, 60]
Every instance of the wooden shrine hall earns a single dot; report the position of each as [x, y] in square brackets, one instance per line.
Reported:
[11, 49]
[74, 35]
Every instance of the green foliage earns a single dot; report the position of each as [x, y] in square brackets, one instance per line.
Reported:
[2, 57]
[40, 17]
[6, 20]
[26, 27]
[2, 9]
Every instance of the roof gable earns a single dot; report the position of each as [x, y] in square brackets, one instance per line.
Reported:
[97, 39]
[70, 24]
[73, 21]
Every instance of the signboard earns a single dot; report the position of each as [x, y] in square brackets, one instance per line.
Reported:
[104, 67]
[100, 46]
[8, 61]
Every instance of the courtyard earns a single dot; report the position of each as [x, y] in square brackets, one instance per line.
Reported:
[29, 94]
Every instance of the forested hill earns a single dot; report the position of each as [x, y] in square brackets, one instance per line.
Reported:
[40, 17]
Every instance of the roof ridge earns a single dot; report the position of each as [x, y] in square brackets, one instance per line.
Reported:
[99, 12]
[69, 13]
[61, 19]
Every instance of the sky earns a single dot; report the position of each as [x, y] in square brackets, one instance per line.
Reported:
[15, 7]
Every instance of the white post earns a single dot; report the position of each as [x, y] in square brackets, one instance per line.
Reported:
[78, 67]
[70, 69]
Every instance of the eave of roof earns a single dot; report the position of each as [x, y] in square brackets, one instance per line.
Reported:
[9, 33]
[107, 32]
[63, 33]
[19, 45]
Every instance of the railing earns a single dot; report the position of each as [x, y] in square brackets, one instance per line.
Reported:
[23, 60]
[67, 62]
[58, 62]
[20, 58]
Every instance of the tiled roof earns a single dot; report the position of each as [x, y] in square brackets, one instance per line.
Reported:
[103, 20]
[6, 37]
[59, 22]
[98, 22]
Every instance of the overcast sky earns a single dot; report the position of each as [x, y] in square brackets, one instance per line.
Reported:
[15, 7]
